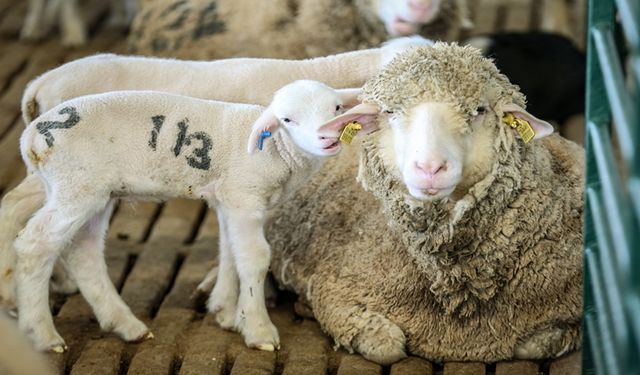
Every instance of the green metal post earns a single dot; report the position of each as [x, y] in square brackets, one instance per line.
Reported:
[612, 199]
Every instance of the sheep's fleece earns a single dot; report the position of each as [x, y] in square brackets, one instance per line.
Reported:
[505, 269]
[208, 29]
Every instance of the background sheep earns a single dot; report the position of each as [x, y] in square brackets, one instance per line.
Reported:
[204, 29]
[222, 80]
[43, 15]
[465, 243]
[101, 150]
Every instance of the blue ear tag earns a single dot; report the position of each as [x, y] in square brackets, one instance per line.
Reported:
[265, 134]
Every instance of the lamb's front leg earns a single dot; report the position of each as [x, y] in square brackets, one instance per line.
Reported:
[252, 256]
[224, 296]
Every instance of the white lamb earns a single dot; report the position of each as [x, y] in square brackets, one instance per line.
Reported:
[232, 80]
[94, 149]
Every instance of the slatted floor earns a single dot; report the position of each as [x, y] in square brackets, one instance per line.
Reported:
[158, 253]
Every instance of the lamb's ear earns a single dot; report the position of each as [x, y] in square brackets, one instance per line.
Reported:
[366, 114]
[350, 97]
[540, 127]
[266, 122]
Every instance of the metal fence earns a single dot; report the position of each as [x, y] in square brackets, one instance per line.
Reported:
[612, 200]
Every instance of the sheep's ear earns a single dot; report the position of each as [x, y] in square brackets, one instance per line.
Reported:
[266, 122]
[349, 97]
[540, 127]
[366, 114]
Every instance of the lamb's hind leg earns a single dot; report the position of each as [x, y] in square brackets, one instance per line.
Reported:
[38, 246]
[86, 262]
[224, 296]
[252, 255]
[17, 206]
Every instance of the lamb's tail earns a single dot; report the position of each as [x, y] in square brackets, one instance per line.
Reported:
[29, 105]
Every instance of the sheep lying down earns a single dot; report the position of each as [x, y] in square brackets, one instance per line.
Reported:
[94, 149]
[460, 242]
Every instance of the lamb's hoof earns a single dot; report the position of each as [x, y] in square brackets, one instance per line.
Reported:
[45, 339]
[148, 336]
[261, 336]
[59, 349]
[381, 341]
[130, 329]
[265, 347]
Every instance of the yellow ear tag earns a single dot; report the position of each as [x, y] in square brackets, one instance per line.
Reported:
[522, 126]
[349, 132]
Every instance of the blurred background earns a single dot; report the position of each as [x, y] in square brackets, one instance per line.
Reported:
[157, 253]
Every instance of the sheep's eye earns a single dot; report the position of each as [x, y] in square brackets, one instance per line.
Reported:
[388, 111]
[481, 110]
[286, 119]
[338, 107]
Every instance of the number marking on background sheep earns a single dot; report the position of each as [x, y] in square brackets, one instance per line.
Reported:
[45, 126]
[208, 22]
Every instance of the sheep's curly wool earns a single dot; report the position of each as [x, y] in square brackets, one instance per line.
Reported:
[470, 279]
[206, 29]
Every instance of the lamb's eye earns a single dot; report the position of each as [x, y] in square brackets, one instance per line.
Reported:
[388, 111]
[286, 119]
[338, 107]
[481, 110]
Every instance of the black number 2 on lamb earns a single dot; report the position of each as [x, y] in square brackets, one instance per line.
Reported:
[45, 127]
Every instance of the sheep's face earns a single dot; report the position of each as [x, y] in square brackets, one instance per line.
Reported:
[443, 106]
[312, 114]
[405, 17]
[439, 150]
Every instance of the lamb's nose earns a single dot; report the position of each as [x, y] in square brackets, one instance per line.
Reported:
[431, 168]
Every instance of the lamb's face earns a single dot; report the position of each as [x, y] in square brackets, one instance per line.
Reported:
[313, 116]
[405, 17]
[302, 108]
[439, 150]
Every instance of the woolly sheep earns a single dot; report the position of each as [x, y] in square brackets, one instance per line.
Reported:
[226, 80]
[465, 243]
[202, 29]
[91, 150]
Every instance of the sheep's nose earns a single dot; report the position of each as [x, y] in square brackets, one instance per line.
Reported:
[420, 5]
[431, 168]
